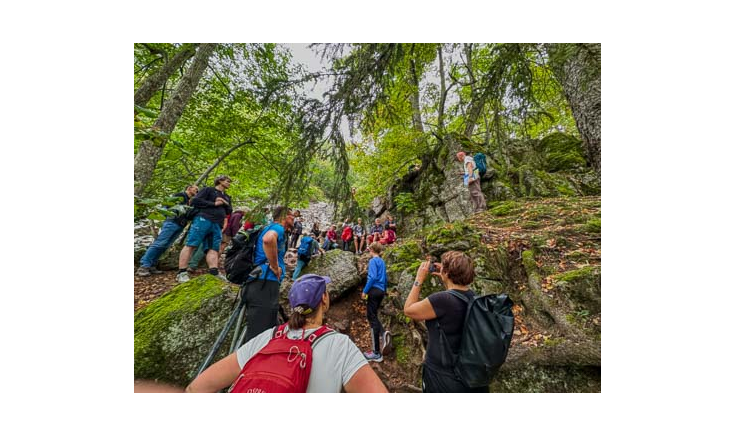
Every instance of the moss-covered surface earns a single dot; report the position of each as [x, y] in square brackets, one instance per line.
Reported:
[563, 152]
[548, 379]
[544, 254]
[173, 334]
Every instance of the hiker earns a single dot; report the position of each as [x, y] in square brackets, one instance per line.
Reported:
[336, 363]
[388, 237]
[213, 205]
[359, 237]
[374, 292]
[330, 238]
[346, 236]
[315, 229]
[261, 294]
[170, 231]
[309, 246]
[376, 232]
[471, 180]
[390, 223]
[444, 310]
[232, 226]
[298, 228]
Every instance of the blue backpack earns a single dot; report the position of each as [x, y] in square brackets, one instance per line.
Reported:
[481, 163]
[305, 246]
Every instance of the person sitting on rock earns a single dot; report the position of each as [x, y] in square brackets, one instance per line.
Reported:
[374, 292]
[331, 238]
[346, 235]
[337, 364]
[444, 314]
[309, 246]
[359, 237]
[389, 236]
[376, 232]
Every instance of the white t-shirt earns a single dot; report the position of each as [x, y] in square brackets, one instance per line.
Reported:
[335, 359]
[475, 172]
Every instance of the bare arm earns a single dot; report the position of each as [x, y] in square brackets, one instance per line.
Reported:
[270, 247]
[218, 376]
[414, 309]
[365, 381]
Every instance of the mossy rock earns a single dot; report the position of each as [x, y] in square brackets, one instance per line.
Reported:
[451, 236]
[563, 152]
[548, 379]
[583, 287]
[173, 334]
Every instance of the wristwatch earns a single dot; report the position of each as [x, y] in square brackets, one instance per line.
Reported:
[416, 284]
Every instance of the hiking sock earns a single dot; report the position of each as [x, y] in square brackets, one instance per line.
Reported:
[214, 271]
[182, 270]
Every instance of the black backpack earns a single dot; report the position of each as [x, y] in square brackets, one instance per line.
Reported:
[240, 257]
[486, 335]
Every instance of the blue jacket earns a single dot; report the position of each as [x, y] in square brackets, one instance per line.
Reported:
[377, 277]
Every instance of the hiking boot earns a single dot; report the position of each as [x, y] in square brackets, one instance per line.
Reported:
[182, 277]
[155, 271]
[372, 356]
[387, 340]
[143, 271]
[222, 277]
[191, 270]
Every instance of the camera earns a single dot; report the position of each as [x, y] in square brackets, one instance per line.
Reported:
[432, 267]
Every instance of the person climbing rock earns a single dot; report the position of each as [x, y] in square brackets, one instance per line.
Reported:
[336, 362]
[206, 228]
[170, 231]
[471, 180]
[309, 246]
[374, 292]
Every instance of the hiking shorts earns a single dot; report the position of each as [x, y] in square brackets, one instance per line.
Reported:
[204, 232]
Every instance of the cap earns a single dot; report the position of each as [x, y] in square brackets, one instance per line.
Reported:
[308, 291]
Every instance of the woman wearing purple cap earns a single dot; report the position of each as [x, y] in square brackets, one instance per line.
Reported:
[337, 363]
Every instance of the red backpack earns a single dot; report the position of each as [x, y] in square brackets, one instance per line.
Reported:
[282, 366]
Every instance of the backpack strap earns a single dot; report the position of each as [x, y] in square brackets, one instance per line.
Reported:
[279, 331]
[320, 333]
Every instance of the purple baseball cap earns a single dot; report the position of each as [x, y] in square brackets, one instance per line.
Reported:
[308, 290]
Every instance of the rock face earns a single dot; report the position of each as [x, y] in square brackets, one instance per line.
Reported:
[340, 266]
[545, 254]
[175, 332]
[553, 166]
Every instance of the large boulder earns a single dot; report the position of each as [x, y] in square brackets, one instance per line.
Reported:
[175, 332]
[340, 266]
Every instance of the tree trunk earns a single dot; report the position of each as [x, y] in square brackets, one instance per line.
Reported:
[155, 81]
[417, 125]
[577, 68]
[442, 94]
[150, 151]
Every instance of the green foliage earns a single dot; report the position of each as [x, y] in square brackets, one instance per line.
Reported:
[594, 226]
[503, 208]
[405, 203]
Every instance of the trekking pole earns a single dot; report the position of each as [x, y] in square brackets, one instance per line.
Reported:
[235, 339]
[221, 338]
